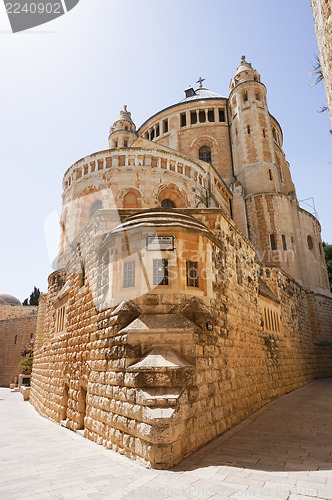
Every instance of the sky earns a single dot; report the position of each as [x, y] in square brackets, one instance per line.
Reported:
[63, 84]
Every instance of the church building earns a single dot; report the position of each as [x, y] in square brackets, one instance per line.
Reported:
[191, 288]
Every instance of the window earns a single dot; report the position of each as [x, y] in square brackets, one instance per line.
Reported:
[95, 206]
[152, 134]
[160, 272]
[115, 145]
[202, 116]
[183, 119]
[129, 274]
[157, 131]
[192, 273]
[60, 320]
[204, 154]
[165, 126]
[211, 115]
[125, 144]
[257, 96]
[284, 242]
[273, 242]
[264, 133]
[222, 115]
[248, 129]
[15, 340]
[167, 203]
[239, 272]
[270, 174]
[310, 243]
[31, 336]
[245, 96]
[130, 200]
[193, 117]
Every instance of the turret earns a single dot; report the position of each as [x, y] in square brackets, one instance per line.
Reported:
[254, 156]
[123, 132]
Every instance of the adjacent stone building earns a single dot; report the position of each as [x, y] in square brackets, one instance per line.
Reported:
[323, 26]
[191, 287]
[17, 328]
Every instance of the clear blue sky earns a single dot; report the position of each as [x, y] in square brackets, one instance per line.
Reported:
[63, 84]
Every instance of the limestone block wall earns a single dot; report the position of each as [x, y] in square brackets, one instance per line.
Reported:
[7, 311]
[323, 26]
[15, 333]
[158, 376]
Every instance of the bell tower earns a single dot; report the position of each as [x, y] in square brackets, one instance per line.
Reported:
[254, 157]
[123, 132]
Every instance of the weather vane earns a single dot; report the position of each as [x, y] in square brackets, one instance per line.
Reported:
[200, 81]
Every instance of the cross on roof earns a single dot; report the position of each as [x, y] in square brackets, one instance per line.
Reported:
[200, 81]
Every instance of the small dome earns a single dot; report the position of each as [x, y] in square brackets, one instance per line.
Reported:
[203, 93]
[244, 66]
[9, 300]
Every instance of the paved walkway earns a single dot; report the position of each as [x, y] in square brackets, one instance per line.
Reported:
[284, 451]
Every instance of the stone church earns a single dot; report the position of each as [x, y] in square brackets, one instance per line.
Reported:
[191, 288]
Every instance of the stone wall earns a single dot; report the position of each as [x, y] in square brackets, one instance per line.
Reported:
[15, 333]
[323, 25]
[7, 311]
[158, 376]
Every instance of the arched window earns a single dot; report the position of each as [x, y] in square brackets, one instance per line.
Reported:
[130, 200]
[273, 242]
[167, 203]
[95, 206]
[310, 243]
[204, 154]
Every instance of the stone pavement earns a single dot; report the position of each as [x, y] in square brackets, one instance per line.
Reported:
[283, 451]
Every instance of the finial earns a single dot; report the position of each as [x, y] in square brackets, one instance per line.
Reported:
[200, 81]
[243, 58]
[125, 107]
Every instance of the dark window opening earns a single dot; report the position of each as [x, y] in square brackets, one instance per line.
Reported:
[231, 208]
[192, 273]
[193, 117]
[129, 274]
[284, 242]
[125, 144]
[273, 242]
[160, 272]
[165, 125]
[126, 128]
[202, 116]
[257, 96]
[95, 206]
[245, 96]
[248, 129]
[157, 131]
[310, 243]
[264, 134]
[270, 175]
[204, 154]
[167, 203]
[211, 115]
[183, 119]
[15, 339]
[31, 336]
[222, 115]
[152, 134]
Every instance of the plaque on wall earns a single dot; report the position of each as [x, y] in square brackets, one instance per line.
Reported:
[160, 242]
